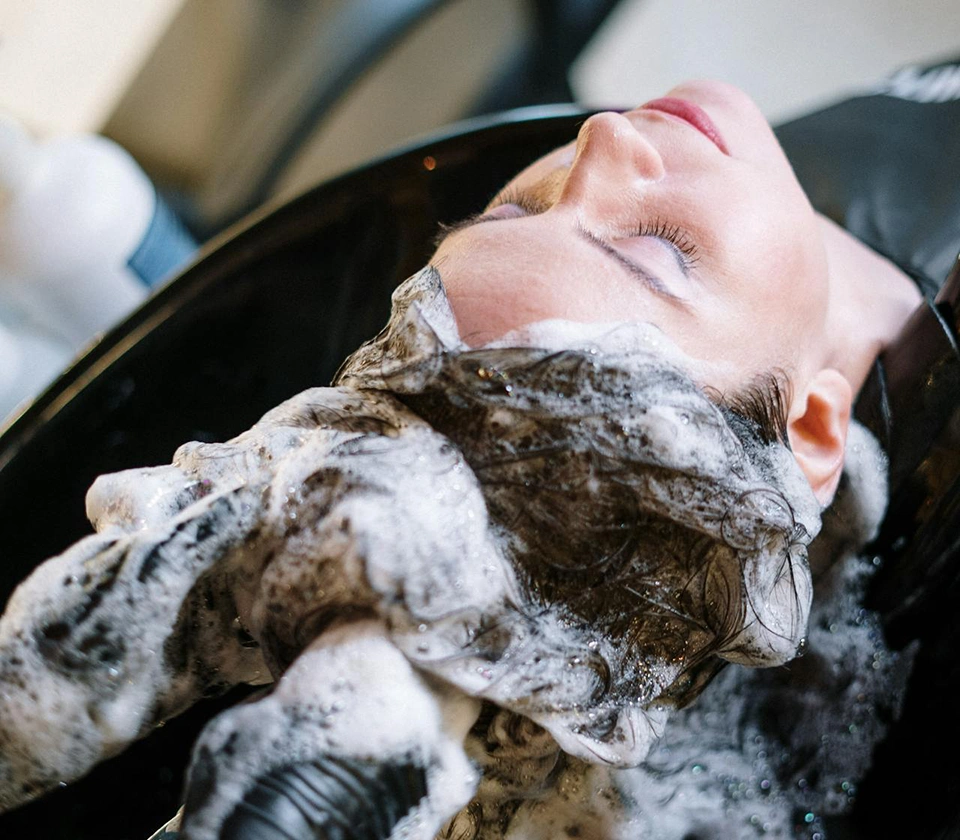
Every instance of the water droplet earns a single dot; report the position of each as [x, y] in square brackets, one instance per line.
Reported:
[422, 628]
[697, 769]
[809, 817]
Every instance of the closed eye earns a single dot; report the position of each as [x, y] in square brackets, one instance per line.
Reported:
[680, 242]
[684, 248]
[526, 204]
[650, 279]
[533, 201]
[529, 201]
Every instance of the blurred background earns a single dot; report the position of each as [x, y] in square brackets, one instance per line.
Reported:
[210, 94]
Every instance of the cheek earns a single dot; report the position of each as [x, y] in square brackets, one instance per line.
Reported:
[762, 272]
[766, 244]
[799, 263]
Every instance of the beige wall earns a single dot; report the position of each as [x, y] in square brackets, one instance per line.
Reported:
[65, 64]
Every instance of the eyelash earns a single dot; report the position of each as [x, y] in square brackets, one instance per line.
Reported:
[526, 202]
[659, 229]
[673, 234]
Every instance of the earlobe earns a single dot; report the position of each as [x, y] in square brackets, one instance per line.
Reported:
[817, 430]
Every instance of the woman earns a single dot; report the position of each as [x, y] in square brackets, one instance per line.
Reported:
[593, 211]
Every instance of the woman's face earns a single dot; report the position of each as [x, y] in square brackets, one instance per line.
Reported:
[683, 212]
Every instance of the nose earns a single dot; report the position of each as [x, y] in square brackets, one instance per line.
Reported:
[610, 154]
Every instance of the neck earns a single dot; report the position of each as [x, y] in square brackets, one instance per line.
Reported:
[870, 301]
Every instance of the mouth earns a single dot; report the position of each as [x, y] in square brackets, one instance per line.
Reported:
[692, 115]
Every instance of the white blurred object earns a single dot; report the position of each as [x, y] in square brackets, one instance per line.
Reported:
[83, 234]
[83, 238]
[10, 359]
[29, 360]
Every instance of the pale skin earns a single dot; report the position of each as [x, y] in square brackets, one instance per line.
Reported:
[701, 228]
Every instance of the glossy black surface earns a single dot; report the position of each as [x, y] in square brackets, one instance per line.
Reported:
[885, 167]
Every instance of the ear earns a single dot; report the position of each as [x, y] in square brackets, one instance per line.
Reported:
[817, 430]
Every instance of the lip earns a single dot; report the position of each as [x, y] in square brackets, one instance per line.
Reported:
[690, 113]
